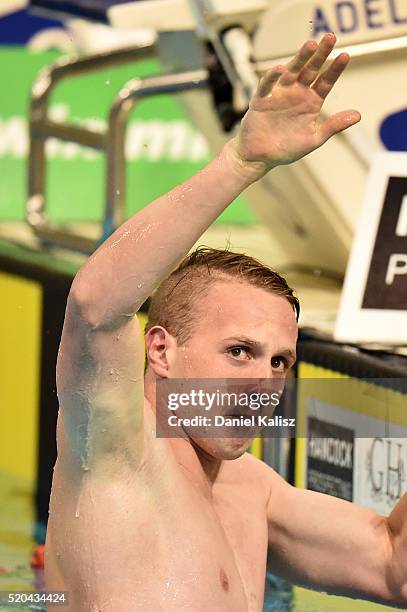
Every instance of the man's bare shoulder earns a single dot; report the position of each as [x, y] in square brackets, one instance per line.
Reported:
[254, 473]
[255, 466]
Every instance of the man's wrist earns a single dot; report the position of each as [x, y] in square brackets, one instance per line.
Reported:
[248, 171]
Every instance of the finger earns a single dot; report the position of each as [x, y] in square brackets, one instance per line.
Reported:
[269, 79]
[294, 67]
[310, 71]
[337, 123]
[328, 78]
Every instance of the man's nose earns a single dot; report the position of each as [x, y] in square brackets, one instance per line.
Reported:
[267, 371]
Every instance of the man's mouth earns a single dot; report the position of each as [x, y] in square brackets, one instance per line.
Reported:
[241, 413]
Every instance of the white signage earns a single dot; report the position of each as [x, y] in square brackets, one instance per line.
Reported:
[354, 456]
[380, 477]
[374, 299]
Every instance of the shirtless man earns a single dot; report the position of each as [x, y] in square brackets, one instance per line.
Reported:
[145, 523]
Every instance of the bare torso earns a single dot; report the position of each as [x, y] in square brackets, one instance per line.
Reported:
[151, 539]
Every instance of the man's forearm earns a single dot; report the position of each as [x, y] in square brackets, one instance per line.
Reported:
[127, 267]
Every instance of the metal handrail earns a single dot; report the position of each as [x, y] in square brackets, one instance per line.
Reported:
[69, 66]
[41, 128]
[112, 141]
[124, 103]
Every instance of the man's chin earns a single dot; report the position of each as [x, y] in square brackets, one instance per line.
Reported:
[225, 449]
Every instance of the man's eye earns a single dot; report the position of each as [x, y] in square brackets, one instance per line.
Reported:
[279, 363]
[238, 351]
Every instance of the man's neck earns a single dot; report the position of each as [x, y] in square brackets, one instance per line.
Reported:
[201, 467]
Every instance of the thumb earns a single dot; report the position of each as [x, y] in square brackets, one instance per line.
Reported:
[337, 123]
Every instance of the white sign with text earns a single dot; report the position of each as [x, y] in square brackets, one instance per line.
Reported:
[374, 299]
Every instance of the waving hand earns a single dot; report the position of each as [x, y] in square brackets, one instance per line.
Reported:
[283, 121]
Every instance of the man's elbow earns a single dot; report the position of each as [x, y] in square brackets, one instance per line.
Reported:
[396, 571]
[81, 305]
[91, 310]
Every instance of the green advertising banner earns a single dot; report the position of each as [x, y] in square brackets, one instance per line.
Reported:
[162, 146]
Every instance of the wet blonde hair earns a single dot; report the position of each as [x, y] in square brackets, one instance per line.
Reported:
[174, 303]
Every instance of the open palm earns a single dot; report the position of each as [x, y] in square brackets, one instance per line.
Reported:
[282, 123]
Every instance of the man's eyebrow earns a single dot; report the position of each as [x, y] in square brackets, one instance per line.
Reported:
[289, 353]
[260, 345]
[245, 340]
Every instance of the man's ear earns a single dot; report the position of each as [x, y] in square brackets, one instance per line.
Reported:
[159, 346]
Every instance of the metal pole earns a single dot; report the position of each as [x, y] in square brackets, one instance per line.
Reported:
[41, 128]
[133, 92]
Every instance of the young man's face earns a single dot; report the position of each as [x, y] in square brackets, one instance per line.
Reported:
[242, 332]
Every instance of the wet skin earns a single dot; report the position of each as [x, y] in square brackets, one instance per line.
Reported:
[186, 528]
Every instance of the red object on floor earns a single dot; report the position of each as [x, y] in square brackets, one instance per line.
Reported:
[3, 570]
[37, 558]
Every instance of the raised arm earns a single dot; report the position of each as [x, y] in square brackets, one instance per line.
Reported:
[329, 544]
[100, 365]
[281, 126]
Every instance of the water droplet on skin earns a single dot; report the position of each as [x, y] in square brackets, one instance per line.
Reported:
[145, 229]
[111, 372]
[77, 514]
[140, 285]
[117, 191]
[119, 239]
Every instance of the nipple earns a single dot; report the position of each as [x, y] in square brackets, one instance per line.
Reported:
[224, 579]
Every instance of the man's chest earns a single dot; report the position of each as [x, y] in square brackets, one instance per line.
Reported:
[243, 520]
[223, 535]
